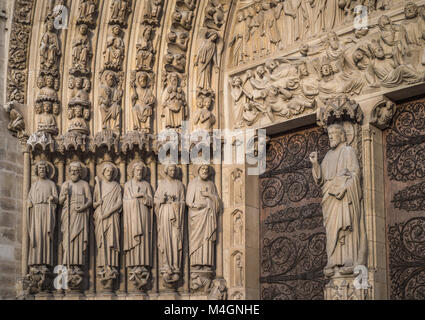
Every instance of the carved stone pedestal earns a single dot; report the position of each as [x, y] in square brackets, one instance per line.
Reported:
[342, 287]
[137, 296]
[107, 296]
[169, 296]
[73, 295]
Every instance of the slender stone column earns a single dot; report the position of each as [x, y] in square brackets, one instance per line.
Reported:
[26, 189]
[219, 244]
[154, 251]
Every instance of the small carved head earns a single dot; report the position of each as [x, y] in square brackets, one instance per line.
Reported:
[43, 170]
[204, 172]
[79, 83]
[50, 81]
[109, 172]
[326, 70]
[116, 30]
[75, 171]
[383, 21]
[410, 10]
[171, 171]
[138, 171]
[110, 79]
[172, 37]
[56, 109]
[377, 50]
[336, 135]
[143, 79]
[333, 40]
[83, 29]
[47, 107]
[147, 33]
[303, 70]
[40, 82]
[304, 50]
[260, 71]
[38, 108]
[271, 65]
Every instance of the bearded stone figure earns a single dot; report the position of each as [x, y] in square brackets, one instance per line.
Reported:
[204, 205]
[339, 177]
[41, 203]
[76, 201]
[108, 206]
[169, 208]
[138, 203]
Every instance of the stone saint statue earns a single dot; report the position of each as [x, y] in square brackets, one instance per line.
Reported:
[76, 201]
[108, 206]
[204, 205]
[41, 203]
[137, 210]
[169, 208]
[339, 177]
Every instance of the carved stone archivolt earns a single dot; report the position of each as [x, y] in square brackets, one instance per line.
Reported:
[389, 55]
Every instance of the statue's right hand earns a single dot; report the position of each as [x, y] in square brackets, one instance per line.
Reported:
[314, 157]
[29, 204]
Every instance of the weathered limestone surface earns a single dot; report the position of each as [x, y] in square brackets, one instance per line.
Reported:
[11, 176]
[95, 96]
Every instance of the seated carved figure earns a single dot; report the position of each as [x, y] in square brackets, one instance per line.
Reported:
[385, 72]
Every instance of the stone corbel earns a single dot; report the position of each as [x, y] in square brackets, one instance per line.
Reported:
[17, 120]
[383, 113]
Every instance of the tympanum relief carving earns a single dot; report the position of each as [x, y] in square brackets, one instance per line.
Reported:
[389, 55]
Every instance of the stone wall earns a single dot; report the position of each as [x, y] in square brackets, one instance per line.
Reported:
[10, 177]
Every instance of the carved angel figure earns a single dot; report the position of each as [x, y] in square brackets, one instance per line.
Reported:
[207, 58]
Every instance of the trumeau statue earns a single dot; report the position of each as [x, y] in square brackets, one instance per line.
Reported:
[76, 201]
[41, 203]
[169, 208]
[339, 177]
[108, 207]
[137, 211]
[204, 206]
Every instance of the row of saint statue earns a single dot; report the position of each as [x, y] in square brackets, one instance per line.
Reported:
[169, 203]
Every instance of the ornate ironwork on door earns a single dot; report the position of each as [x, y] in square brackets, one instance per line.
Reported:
[405, 201]
[293, 246]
